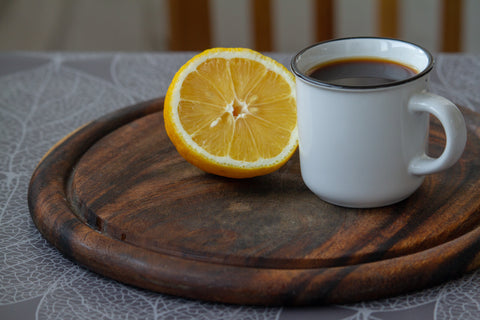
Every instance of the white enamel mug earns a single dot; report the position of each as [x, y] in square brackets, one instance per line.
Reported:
[366, 146]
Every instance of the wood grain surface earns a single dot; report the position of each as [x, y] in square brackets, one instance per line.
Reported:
[116, 197]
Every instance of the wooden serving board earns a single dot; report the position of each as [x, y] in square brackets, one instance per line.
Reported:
[116, 197]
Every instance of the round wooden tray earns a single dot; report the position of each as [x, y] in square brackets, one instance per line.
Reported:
[116, 197]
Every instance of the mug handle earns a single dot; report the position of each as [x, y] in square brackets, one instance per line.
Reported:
[455, 131]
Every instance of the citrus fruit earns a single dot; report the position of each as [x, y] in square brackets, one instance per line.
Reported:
[232, 112]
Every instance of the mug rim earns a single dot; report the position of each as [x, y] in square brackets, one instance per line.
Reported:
[318, 82]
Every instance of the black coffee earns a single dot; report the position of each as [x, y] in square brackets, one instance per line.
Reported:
[361, 72]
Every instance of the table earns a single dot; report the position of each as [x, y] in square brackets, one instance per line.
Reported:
[44, 96]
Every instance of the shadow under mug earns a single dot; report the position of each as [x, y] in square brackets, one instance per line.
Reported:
[366, 146]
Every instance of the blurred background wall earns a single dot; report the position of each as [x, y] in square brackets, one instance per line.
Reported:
[145, 25]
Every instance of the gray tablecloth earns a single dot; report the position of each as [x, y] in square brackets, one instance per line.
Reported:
[44, 96]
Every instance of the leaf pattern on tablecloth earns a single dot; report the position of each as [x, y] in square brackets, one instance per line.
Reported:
[37, 108]
[40, 105]
[461, 299]
[458, 81]
[93, 297]
[450, 299]
[146, 76]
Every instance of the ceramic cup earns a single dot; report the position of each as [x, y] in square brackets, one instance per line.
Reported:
[366, 146]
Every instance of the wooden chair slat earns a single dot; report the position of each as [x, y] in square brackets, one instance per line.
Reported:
[189, 24]
[262, 24]
[388, 17]
[324, 20]
[451, 25]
